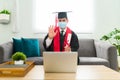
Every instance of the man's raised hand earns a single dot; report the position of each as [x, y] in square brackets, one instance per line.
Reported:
[51, 33]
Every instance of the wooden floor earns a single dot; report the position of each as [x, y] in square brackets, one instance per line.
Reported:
[84, 72]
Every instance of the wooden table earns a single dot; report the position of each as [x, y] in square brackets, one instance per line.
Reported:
[84, 72]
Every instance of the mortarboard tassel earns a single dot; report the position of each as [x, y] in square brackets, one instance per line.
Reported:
[56, 21]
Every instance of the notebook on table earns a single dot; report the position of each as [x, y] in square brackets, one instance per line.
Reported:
[60, 61]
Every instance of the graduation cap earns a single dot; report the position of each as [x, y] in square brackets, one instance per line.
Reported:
[62, 14]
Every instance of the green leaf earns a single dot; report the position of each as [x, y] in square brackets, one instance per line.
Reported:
[117, 30]
[117, 37]
[105, 37]
[4, 12]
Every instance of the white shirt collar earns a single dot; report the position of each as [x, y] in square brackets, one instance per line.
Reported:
[63, 30]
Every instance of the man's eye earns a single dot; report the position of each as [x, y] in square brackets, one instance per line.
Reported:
[59, 20]
[63, 20]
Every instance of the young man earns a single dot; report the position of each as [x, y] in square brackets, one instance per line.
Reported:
[61, 38]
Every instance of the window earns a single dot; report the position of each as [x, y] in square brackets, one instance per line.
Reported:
[81, 19]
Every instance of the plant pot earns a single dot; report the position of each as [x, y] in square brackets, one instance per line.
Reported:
[118, 58]
[118, 50]
[20, 62]
[4, 18]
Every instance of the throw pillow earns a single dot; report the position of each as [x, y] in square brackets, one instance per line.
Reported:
[31, 47]
[17, 45]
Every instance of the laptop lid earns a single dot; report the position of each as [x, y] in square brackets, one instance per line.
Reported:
[60, 61]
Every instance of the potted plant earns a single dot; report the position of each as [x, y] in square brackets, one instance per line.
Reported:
[114, 38]
[19, 58]
[4, 16]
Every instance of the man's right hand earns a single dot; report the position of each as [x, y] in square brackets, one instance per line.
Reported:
[51, 32]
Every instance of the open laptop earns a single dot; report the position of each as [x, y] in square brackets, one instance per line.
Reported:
[60, 61]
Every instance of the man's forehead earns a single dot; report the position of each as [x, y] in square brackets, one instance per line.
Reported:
[62, 19]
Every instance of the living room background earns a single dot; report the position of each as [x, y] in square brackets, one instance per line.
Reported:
[107, 17]
[45, 13]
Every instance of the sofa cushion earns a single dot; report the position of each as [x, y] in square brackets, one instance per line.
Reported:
[93, 61]
[37, 60]
[86, 48]
[17, 45]
[41, 46]
[31, 47]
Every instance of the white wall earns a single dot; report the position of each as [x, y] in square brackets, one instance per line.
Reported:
[107, 14]
[107, 17]
[6, 29]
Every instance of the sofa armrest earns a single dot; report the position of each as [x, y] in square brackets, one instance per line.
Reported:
[107, 51]
[6, 51]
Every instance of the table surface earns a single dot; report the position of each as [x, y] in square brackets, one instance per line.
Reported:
[87, 72]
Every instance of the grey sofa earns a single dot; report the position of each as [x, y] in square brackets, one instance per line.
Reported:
[90, 52]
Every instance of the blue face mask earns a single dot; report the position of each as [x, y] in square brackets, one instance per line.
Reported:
[62, 24]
